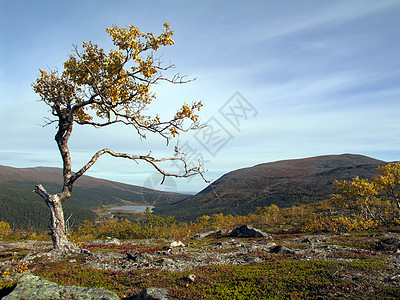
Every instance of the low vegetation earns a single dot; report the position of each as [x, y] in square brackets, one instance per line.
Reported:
[355, 270]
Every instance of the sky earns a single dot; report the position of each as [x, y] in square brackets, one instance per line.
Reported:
[278, 80]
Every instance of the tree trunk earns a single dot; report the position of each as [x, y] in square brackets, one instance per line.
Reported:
[57, 226]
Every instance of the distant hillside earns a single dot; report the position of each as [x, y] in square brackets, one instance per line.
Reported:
[23, 208]
[284, 183]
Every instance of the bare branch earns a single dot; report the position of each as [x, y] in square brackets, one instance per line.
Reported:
[189, 172]
[177, 79]
[48, 121]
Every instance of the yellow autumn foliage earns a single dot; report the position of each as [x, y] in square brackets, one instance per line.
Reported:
[5, 229]
[114, 86]
[377, 199]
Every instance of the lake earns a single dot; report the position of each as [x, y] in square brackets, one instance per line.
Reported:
[138, 208]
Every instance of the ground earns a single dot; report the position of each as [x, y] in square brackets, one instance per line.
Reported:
[284, 266]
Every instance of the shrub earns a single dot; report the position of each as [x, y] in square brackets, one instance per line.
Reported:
[4, 229]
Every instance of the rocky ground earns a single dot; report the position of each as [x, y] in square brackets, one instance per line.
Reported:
[19, 258]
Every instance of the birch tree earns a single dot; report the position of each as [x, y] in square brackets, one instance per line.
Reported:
[99, 88]
[377, 199]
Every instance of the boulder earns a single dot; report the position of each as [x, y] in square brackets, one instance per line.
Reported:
[247, 231]
[151, 294]
[34, 287]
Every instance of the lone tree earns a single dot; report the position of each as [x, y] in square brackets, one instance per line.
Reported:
[102, 89]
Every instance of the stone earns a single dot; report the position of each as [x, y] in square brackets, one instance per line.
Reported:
[253, 260]
[176, 244]
[114, 241]
[34, 287]
[139, 257]
[191, 278]
[270, 245]
[281, 250]
[307, 241]
[390, 243]
[247, 231]
[167, 261]
[199, 236]
[395, 278]
[151, 293]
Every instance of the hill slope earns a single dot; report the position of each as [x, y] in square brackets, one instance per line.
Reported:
[22, 208]
[284, 183]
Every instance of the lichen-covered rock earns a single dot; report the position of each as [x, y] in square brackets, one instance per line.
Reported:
[33, 287]
[246, 231]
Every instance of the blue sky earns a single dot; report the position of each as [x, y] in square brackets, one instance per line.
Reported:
[278, 79]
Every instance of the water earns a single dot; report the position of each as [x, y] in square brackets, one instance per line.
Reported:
[138, 208]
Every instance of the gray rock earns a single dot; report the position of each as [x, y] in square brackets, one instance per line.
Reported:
[226, 244]
[270, 245]
[247, 231]
[199, 236]
[190, 278]
[281, 250]
[167, 261]
[390, 243]
[114, 241]
[151, 294]
[176, 244]
[33, 287]
[139, 257]
[307, 241]
[253, 259]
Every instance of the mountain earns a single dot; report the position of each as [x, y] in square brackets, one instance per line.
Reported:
[284, 183]
[22, 208]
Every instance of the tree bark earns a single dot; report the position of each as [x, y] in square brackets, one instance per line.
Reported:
[57, 226]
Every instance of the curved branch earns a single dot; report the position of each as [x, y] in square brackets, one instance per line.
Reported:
[148, 158]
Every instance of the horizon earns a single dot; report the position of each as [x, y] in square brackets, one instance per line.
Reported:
[186, 192]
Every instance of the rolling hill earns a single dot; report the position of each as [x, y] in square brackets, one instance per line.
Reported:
[22, 208]
[284, 183]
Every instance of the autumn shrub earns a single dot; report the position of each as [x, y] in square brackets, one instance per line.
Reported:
[377, 199]
[5, 229]
[216, 221]
[338, 224]
[151, 227]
